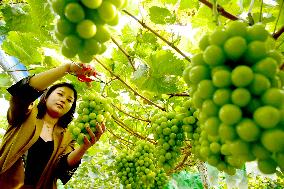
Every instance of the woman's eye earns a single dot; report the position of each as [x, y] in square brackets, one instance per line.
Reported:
[60, 94]
[69, 100]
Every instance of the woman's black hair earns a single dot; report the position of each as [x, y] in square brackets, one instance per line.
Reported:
[66, 118]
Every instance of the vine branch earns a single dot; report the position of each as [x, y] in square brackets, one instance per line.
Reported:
[128, 86]
[125, 127]
[145, 120]
[228, 15]
[220, 9]
[119, 138]
[177, 94]
[278, 33]
[125, 53]
[158, 35]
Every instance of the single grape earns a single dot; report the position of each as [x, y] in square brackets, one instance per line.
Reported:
[197, 60]
[230, 114]
[241, 97]
[267, 67]
[227, 132]
[248, 130]
[107, 11]
[222, 96]
[235, 47]
[237, 28]
[273, 97]
[206, 89]
[218, 37]
[74, 12]
[222, 78]
[267, 166]
[204, 42]
[86, 29]
[199, 73]
[266, 116]
[92, 4]
[91, 46]
[272, 140]
[72, 42]
[64, 27]
[213, 55]
[211, 126]
[257, 32]
[256, 50]
[260, 152]
[242, 76]
[102, 34]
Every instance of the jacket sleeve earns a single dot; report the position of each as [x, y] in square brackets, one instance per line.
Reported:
[23, 95]
[63, 171]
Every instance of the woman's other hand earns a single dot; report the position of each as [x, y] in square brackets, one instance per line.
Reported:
[94, 137]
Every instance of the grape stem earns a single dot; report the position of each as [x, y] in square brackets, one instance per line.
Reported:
[119, 138]
[125, 127]
[129, 87]
[260, 12]
[145, 120]
[158, 35]
[125, 53]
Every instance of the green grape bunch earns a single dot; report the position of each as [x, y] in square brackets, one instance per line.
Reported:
[236, 85]
[83, 25]
[170, 129]
[138, 170]
[93, 110]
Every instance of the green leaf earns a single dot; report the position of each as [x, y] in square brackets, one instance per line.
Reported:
[17, 17]
[5, 80]
[24, 46]
[164, 62]
[128, 34]
[160, 15]
[141, 74]
[169, 1]
[186, 4]
[42, 18]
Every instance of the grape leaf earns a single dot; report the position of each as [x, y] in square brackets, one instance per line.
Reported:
[42, 18]
[146, 79]
[160, 15]
[23, 46]
[5, 80]
[164, 62]
[185, 4]
[128, 34]
[17, 17]
[170, 1]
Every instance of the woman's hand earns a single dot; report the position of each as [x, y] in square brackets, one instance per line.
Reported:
[81, 69]
[94, 137]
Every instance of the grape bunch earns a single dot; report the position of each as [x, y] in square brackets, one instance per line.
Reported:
[82, 25]
[138, 169]
[170, 130]
[93, 109]
[237, 87]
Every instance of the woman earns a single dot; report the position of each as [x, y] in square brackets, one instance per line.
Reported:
[37, 148]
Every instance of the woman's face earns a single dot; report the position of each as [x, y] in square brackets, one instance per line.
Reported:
[60, 101]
